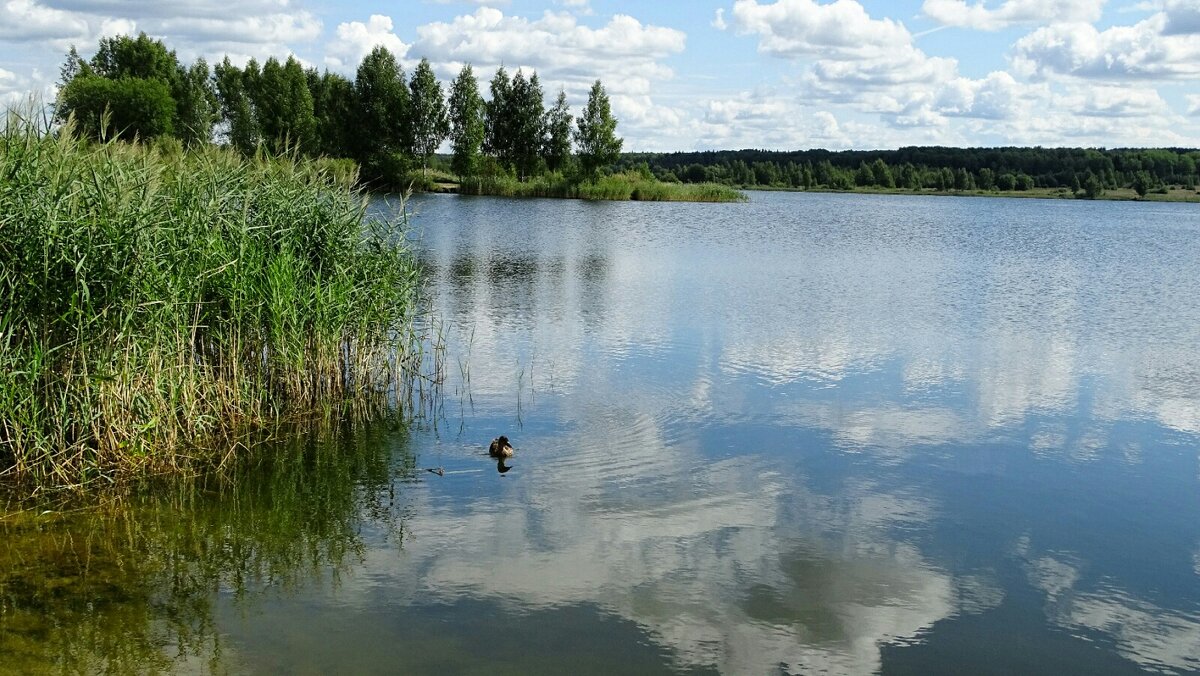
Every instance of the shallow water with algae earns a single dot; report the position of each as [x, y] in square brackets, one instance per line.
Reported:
[844, 434]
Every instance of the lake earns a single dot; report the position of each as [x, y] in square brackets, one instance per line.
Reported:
[813, 433]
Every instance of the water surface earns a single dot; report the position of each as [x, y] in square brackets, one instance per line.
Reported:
[842, 434]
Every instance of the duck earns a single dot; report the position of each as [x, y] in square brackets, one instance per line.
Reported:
[500, 448]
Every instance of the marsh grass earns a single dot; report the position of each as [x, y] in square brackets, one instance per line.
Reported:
[629, 185]
[154, 305]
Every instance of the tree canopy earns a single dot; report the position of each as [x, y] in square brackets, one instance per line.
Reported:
[137, 88]
[596, 136]
[1087, 172]
[134, 87]
[430, 123]
[466, 123]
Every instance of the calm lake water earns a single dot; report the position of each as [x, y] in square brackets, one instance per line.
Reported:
[809, 434]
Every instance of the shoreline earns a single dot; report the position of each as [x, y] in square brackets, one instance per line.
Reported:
[622, 187]
[1178, 196]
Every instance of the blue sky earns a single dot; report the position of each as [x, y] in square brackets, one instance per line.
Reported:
[704, 74]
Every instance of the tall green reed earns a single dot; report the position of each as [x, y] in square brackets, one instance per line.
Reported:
[154, 305]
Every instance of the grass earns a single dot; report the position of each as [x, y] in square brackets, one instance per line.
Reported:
[619, 187]
[155, 305]
[430, 180]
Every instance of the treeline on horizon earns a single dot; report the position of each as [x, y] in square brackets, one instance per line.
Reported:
[386, 122]
[1085, 172]
[391, 125]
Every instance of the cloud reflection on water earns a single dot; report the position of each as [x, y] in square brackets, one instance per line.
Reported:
[891, 340]
[707, 557]
[1156, 638]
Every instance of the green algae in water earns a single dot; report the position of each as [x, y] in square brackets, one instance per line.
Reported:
[129, 586]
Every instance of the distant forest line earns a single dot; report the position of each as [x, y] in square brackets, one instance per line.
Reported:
[391, 124]
[1087, 172]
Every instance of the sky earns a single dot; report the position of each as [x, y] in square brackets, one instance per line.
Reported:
[718, 74]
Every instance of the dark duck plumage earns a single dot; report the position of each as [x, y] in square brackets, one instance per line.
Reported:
[500, 448]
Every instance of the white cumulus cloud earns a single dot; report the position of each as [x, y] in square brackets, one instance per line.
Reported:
[1011, 12]
[1183, 17]
[556, 45]
[1193, 101]
[29, 21]
[627, 55]
[1107, 101]
[793, 28]
[356, 39]
[1142, 51]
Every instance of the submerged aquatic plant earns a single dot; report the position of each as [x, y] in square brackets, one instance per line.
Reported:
[154, 304]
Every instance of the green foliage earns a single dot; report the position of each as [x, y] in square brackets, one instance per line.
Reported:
[196, 105]
[142, 57]
[557, 149]
[236, 108]
[283, 106]
[73, 67]
[466, 123]
[153, 302]
[931, 168]
[385, 122]
[881, 175]
[526, 122]
[623, 186]
[987, 179]
[864, 177]
[334, 111]
[599, 145]
[430, 123]
[145, 68]
[384, 132]
[498, 132]
[127, 108]
[1142, 183]
[380, 119]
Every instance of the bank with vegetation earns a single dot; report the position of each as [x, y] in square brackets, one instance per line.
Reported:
[625, 186]
[1171, 174]
[388, 124]
[156, 305]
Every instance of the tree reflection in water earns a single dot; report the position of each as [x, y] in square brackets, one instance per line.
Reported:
[129, 586]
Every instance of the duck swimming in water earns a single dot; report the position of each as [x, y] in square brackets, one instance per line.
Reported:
[500, 448]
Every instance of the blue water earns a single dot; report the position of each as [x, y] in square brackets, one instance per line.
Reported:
[843, 434]
[826, 432]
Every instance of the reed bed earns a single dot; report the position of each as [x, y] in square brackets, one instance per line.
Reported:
[154, 305]
[624, 186]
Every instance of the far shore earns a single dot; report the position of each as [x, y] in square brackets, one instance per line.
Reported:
[1180, 195]
[1117, 195]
